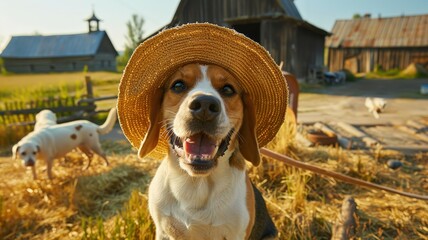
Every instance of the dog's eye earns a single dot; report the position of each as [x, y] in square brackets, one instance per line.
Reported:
[178, 86]
[227, 90]
[34, 153]
[23, 153]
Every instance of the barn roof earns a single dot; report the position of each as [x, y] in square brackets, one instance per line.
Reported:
[72, 45]
[403, 31]
[290, 9]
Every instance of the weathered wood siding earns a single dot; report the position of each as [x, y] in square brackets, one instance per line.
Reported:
[298, 48]
[310, 51]
[366, 59]
[101, 62]
[278, 38]
[275, 24]
[200, 11]
[250, 9]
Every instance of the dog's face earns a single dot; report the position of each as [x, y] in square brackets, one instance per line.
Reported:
[204, 111]
[27, 152]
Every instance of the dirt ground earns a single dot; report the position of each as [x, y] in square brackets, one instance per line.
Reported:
[346, 102]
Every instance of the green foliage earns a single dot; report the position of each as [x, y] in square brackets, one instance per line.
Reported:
[85, 69]
[123, 59]
[2, 68]
[350, 77]
[134, 37]
[135, 31]
[356, 16]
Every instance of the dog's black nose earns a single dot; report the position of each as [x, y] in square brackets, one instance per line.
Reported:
[204, 107]
[30, 163]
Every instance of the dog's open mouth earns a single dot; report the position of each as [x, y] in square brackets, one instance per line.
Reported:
[199, 151]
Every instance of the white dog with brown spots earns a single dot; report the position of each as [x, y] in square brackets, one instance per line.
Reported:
[51, 142]
[45, 118]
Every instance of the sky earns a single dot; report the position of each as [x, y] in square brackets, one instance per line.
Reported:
[50, 17]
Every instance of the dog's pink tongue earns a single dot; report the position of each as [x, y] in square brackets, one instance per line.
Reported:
[199, 144]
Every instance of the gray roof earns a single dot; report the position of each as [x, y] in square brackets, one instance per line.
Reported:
[290, 8]
[402, 31]
[73, 45]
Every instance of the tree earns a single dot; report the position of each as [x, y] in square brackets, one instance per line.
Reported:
[135, 31]
[133, 38]
[356, 16]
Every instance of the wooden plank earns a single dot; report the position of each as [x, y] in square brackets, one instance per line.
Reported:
[92, 100]
[414, 132]
[304, 141]
[419, 126]
[357, 133]
[54, 109]
[343, 142]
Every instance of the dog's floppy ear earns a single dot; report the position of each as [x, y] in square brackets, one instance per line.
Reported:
[15, 150]
[38, 148]
[248, 144]
[152, 136]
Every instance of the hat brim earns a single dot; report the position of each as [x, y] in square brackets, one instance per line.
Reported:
[155, 60]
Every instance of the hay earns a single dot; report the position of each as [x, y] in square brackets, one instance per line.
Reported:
[111, 202]
[414, 70]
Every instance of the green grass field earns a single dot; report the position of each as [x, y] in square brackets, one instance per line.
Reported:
[29, 86]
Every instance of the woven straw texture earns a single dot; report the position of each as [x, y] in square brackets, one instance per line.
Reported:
[155, 60]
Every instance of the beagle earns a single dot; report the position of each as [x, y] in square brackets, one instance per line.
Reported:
[201, 190]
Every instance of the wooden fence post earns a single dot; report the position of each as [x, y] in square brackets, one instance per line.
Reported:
[89, 89]
[89, 93]
[346, 223]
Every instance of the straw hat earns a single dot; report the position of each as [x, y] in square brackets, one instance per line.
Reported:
[155, 60]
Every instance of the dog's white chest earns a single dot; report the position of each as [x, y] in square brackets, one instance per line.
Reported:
[207, 210]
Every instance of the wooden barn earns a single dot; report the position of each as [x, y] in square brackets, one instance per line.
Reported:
[366, 44]
[275, 24]
[61, 53]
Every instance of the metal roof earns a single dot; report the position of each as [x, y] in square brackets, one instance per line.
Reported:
[403, 31]
[290, 9]
[72, 45]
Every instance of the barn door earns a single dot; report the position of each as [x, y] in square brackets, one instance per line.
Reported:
[251, 30]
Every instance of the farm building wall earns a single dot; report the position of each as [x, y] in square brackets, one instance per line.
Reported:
[299, 49]
[275, 24]
[310, 52]
[101, 62]
[199, 11]
[279, 38]
[367, 59]
[251, 9]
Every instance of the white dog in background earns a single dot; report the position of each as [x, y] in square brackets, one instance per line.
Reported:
[375, 105]
[54, 141]
[45, 118]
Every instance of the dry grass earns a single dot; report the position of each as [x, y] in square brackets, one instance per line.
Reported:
[111, 202]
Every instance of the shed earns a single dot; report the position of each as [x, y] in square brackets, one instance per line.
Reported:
[61, 53]
[364, 44]
[275, 24]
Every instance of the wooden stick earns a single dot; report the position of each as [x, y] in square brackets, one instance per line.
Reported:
[321, 171]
